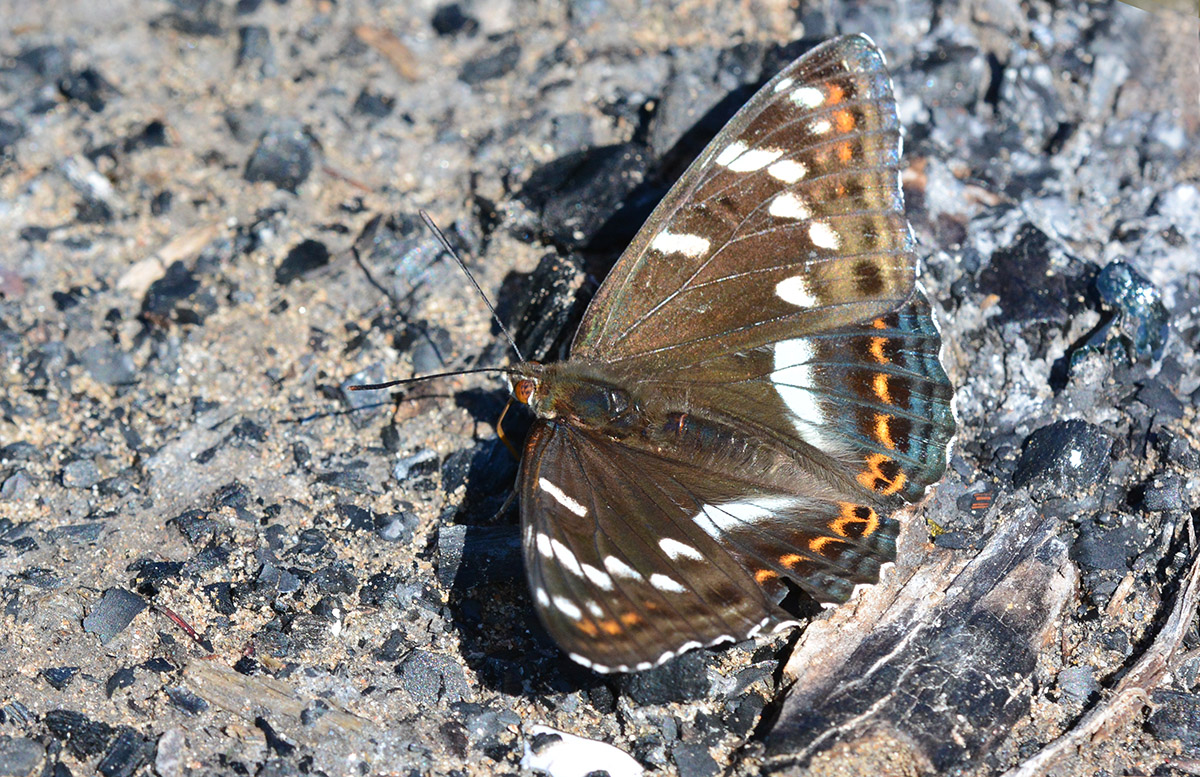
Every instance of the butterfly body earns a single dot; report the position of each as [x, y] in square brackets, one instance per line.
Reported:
[755, 394]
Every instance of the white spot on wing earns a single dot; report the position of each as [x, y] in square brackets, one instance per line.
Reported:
[561, 497]
[542, 597]
[787, 170]
[664, 583]
[688, 245]
[788, 206]
[594, 609]
[730, 153]
[823, 235]
[643, 666]
[618, 568]
[567, 607]
[566, 558]
[784, 84]
[718, 519]
[543, 545]
[755, 159]
[577, 659]
[820, 127]
[677, 550]
[795, 291]
[793, 378]
[808, 97]
[598, 578]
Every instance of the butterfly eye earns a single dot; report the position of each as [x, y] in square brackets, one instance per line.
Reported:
[523, 390]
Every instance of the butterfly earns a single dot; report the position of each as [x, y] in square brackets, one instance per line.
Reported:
[754, 393]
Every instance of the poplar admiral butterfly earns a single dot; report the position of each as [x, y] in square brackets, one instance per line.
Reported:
[754, 394]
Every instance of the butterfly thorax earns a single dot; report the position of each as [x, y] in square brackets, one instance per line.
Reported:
[583, 395]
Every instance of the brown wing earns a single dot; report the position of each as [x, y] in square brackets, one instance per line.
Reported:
[790, 222]
[634, 557]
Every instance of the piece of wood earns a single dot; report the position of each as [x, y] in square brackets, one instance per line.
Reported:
[928, 672]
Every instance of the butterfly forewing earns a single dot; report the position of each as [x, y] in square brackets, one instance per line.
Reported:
[790, 221]
[754, 392]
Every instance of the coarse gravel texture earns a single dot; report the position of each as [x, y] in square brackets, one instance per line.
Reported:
[215, 560]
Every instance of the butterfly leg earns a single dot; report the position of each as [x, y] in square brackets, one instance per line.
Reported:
[500, 432]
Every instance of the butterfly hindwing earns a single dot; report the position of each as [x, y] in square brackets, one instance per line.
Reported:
[603, 571]
[628, 571]
[872, 397]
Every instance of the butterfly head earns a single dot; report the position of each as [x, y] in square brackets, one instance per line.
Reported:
[525, 381]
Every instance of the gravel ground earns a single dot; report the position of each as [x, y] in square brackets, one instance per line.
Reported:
[214, 560]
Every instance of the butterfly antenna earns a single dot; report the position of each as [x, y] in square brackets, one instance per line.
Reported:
[454, 255]
[423, 378]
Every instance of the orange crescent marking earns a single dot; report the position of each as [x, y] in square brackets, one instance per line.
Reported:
[882, 432]
[844, 120]
[589, 628]
[836, 95]
[763, 575]
[877, 352]
[789, 560]
[879, 323]
[631, 619]
[850, 515]
[817, 543]
[844, 152]
[880, 384]
[873, 478]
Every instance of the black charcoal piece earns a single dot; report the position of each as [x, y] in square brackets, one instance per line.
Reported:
[166, 293]
[693, 759]
[86, 86]
[60, 676]
[449, 19]
[122, 678]
[490, 65]
[284, 157]
[355, 518]
[377, 106]
[1141, 315]
[115, 610]
[125, 755]
[84, 736]
[1063, 458]
[1007, 274]
[578, 194]
[306, 257]
[681, 679]
[1164, 492]
[1176, 716]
